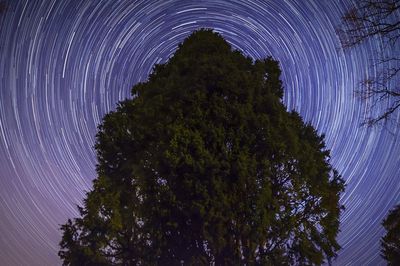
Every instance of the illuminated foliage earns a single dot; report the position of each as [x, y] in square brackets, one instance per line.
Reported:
[205, 165]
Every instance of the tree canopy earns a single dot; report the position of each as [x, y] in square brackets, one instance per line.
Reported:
[391, 241]
[205, 165]
[368, 20]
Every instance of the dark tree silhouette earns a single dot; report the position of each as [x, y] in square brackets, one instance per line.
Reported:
[369, 19]
[391, 241]
[204, 165]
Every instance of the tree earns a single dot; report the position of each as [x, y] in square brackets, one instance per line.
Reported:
[205, 165]
[391, 241]
[367, 20]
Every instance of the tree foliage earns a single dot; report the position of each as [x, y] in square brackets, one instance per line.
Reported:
[204, 165]
[367, 20]
[391, 241]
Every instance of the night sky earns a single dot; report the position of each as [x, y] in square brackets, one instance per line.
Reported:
[64, 64]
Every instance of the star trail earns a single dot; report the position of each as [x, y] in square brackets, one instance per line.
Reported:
[64, 64]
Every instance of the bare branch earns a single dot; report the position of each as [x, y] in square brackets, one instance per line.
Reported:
[366, 20]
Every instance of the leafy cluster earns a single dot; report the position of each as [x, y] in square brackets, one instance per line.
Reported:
[204, 165]
[391, 241]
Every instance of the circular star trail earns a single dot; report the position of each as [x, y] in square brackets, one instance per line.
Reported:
[64, 64]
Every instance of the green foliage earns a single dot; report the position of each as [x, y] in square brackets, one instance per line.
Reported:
[391, 241]
[205, 165]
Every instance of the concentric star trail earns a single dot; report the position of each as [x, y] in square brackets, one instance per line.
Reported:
[64, 64]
